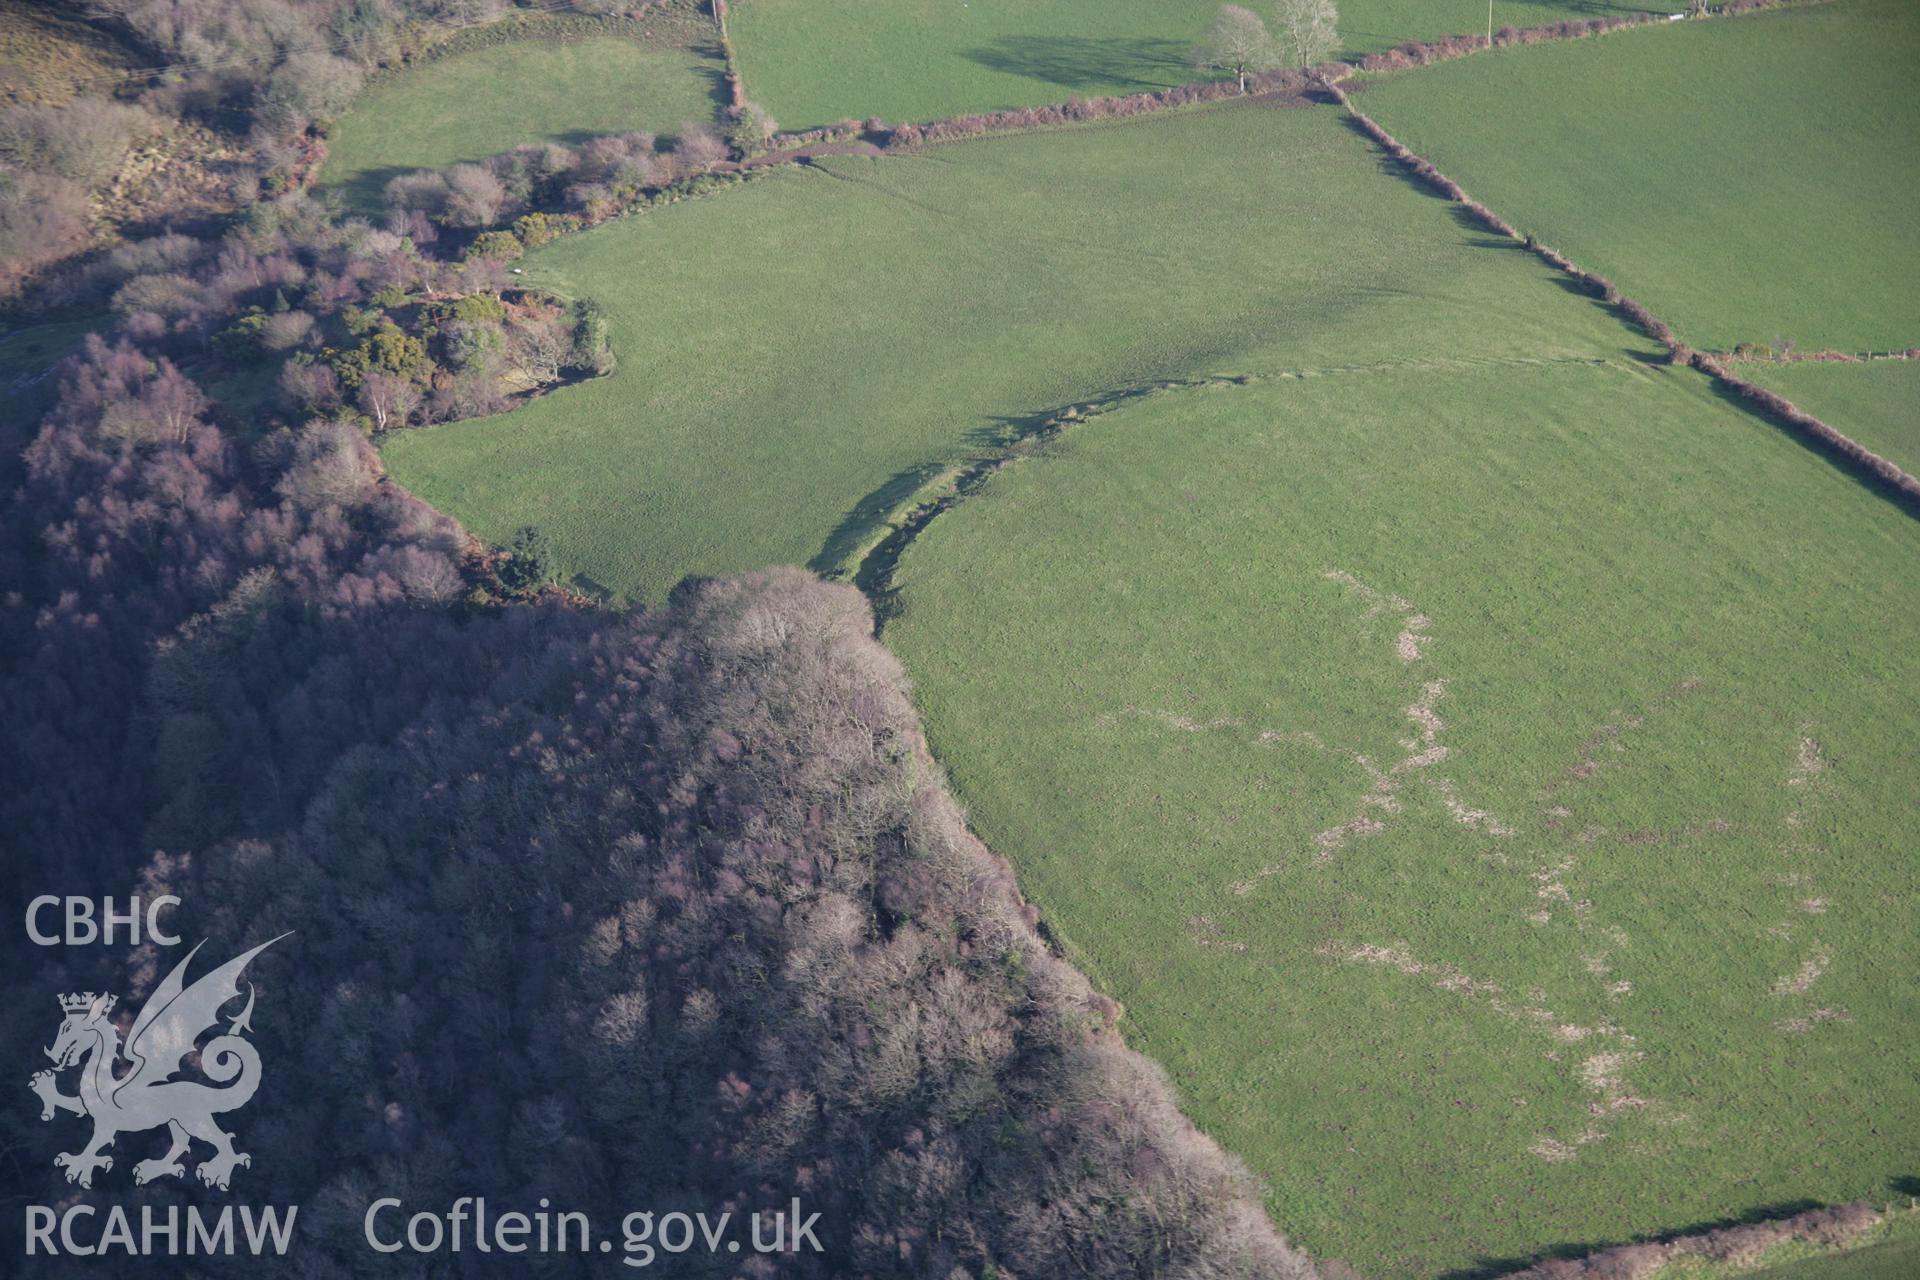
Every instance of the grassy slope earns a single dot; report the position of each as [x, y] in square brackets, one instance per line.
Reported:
[1101, 640]
[27, 357]
[1744, 179]
[793, 351]
[470, 105]
[28, 350]
[815, 61]
[1877, 404]
[47, 54]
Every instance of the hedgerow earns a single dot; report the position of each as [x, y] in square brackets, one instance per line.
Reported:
[1769, 403]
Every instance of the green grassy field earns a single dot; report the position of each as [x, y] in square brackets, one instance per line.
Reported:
[1631, 952]
[815, 61]
[1481, 786]
[1744, 179]
[795, 354]
[1877, 403]
[470, 105]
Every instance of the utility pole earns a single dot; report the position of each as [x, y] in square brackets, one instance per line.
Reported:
[1489, 21]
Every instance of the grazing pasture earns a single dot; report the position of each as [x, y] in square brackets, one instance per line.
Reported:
[1748, 179]
[484, 100]
[1483, 786]
[1461, 739]
[1477, 750]
[1877, 403]
[798, 354]
[815, 61]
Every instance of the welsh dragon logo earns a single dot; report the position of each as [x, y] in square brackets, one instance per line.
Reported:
[145, 1095]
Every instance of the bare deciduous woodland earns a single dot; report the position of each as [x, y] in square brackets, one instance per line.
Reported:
[1412, 675]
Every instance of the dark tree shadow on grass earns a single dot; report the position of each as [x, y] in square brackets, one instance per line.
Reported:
[592, 587]
[1872, 480]
[366, 192]
[1494, 1268]
[1090, 62]
[718, 90]
[867, 516]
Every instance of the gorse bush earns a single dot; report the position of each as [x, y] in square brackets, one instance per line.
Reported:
[496, 246]
[529, 562]
[592, 348]
[754, 129]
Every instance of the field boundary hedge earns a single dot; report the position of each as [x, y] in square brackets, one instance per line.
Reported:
[736, 87]
[1740, 1246]
[1768, 404]
[1264, 85]
[1420, 53]
[1751, 353]
[1270, 87]
[1290, 85]
[1776, 406]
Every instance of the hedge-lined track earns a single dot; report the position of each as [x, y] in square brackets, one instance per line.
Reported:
[798, 354]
